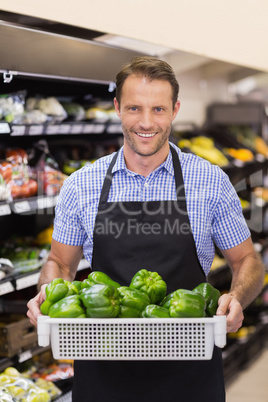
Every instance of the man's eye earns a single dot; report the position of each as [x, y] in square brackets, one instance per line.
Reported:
[159, 109]
[133, 108]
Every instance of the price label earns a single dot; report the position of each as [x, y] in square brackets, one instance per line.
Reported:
[76, 129]
[36, 129]
[21, 207]
[5, 210]
[88, 128]
[238, 163]
[259, 202]
[27, 281]
[52, 129]
[46, 202]
[64, 128]
[26, 355]
[18, 130]
[6, 287]
[114, 129]
[99, 128]
[4, 128]
[260, 158]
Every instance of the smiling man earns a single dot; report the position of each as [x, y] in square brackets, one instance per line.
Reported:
[165, 210]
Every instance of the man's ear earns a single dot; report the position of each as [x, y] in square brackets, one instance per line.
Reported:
[176, 109]
[117, 108]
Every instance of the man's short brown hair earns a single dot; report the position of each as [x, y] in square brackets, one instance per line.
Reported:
[149, 67]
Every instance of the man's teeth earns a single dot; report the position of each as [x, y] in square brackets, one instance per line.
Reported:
[146, 135]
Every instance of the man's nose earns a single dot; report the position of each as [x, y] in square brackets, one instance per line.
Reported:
[146, 120]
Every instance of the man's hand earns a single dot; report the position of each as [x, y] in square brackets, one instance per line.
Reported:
[230, 306]
[34, 305]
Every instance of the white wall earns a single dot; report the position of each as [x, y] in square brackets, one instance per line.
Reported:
[196, 94]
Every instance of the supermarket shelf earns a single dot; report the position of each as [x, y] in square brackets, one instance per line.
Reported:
[23, 281]
[91, 127]
[21, 357]
[239, 170]
[27, 205]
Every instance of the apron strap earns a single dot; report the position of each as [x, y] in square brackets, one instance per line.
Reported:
[178, 176]
[108, 181]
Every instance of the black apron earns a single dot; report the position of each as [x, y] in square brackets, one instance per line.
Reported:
[155, 235]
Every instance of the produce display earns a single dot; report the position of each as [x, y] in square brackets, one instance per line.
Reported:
[21, 255]
[18, 108]
[16, 173]
[14, 387]
[98, 296]
[205, 148]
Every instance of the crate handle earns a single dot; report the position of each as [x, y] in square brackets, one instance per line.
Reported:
[43, 330]
[220, 329]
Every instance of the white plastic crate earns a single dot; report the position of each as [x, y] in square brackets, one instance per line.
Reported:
[132, 338]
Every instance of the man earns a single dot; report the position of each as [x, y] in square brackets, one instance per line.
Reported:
[151, 206]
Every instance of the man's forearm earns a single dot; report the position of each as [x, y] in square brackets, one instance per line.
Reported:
[50, 271]
[247, 281]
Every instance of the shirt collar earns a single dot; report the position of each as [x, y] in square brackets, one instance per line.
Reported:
[120, 163]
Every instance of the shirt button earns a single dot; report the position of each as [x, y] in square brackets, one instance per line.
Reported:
[146, 185]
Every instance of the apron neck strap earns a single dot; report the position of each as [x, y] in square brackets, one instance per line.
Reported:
[177, 174]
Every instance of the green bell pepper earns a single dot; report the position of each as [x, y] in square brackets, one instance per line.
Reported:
[132, 302]
[68, 307]
[55, 291]
[166, 301]
[155, 311]
[98, 277]
[101, 301]
[186, 303]
[211, 295]
[72, 288]
[150, 283]
[77, 284]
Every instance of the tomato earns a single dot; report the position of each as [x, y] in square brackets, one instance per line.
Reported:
[33, 186]
[15, 191]
[25, 190]
[17, 154]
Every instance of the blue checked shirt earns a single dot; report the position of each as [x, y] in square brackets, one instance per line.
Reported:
[213, 206]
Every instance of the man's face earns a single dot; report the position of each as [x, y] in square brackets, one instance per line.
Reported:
[146, 113]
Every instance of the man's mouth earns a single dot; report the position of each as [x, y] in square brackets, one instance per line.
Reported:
[146, 135]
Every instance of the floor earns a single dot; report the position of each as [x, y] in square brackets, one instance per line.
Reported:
[251, 384]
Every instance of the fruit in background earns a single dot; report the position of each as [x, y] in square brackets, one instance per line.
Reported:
[217, 262]
[33, 186]
[22, 188]
[242, 154]
[261, 146]
[205, 148]
[45, 236]
[17, 154]
[261, 192]
[244, 203]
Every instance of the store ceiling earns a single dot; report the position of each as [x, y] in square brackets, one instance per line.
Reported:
[40, 46]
